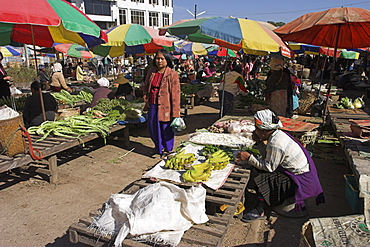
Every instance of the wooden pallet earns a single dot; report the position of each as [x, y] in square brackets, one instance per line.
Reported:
[209, 234]
[50, 147]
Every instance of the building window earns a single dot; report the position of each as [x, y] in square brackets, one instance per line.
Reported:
[97, 7]
[137, 17]
[154, 2]
[166, 3]
[122, 16]
[153, 19]
[166, 19]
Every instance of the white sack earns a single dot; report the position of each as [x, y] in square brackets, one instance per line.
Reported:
[158, 207]
[7, 113]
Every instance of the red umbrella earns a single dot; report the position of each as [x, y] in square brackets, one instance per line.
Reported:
[344, 27]
[44, 22]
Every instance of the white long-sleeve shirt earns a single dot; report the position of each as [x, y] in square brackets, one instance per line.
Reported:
[282, 151]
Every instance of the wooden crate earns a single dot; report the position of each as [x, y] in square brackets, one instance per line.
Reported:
[209, 234]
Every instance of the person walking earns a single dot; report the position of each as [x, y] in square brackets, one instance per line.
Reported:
[162, 101]
[43, 77]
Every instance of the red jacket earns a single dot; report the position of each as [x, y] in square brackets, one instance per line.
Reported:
[169, 94]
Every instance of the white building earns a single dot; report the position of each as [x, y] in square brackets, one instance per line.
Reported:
[109, 13]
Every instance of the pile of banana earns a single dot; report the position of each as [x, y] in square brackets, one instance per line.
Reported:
[219, 160]
[201, 172]
[180, 161]
[198, 173]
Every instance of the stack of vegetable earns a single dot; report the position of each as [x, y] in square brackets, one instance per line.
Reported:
[121, 108]
[74, 127]
[346, 103]
[18, 101]
[66, 98]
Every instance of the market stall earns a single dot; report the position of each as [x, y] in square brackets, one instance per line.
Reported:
[224, 183]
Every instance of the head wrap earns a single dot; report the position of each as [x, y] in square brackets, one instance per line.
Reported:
[57, 67]
[103, 82]
[276, 63]
[267, 120]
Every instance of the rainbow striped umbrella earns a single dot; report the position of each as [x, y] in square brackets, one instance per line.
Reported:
[132, 39]
[233, 33]
[9, 51]
[74, 50]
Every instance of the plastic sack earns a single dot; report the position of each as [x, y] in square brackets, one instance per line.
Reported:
[178, 124]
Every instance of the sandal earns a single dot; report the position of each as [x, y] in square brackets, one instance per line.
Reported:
[255, 214]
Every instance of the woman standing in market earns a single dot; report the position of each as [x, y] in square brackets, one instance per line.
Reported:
[279, 89]
[57, 79]
[4, 80]
[162, 101]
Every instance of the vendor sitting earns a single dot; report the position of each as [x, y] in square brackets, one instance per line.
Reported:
[124, 89]
[32, 112]
[102, 91]
[286, 169]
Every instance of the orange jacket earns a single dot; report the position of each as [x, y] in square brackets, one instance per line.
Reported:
[169, 94]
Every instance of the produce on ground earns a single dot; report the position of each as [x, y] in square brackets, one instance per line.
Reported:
[346, 103]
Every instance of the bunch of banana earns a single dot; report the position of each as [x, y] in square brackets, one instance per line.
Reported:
[180, 161]
[198, 173]
[219, 160]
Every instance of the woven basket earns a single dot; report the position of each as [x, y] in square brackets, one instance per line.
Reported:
[11, 140]
[306, 101]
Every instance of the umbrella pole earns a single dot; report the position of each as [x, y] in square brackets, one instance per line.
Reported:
[321, 76]
[331, 76]
[39, 82]
[223, 88]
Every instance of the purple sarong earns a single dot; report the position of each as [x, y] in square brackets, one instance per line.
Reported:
[308, 183]
[160, 132]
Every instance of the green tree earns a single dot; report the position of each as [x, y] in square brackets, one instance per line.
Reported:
[277, 24]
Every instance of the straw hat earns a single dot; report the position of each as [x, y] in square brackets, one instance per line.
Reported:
[121, 79]
[276, 63]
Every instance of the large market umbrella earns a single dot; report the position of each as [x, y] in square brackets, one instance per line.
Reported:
[44, 22]
[9, 51]
[74, 50]
[234, 33]
[344, 27]
[132, 39]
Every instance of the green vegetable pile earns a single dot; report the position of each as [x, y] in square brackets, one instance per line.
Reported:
[74, 127]
[208, 150]
[67, 98]
[19, 102]
[191, 88]
[121, 108]
[248, 100]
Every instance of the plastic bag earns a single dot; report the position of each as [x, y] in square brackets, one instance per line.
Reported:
[178, 124]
